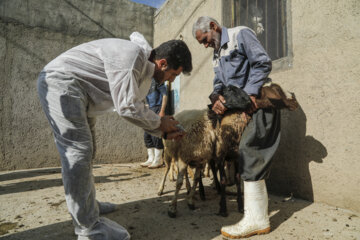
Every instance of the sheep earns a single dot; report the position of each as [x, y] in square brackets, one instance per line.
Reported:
[229, 133]
[195, 149]
[271, 96]
[209, 140]
[201, 143]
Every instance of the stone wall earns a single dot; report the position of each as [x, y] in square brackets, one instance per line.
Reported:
[32, 33]
[318, 157]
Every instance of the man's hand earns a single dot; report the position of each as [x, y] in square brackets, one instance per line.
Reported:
[218, 106]
[254, 106]
[168, 124]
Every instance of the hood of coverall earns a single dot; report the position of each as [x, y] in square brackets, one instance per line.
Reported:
[140, 40]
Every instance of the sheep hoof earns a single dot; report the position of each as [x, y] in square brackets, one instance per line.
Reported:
[160, 193]
[240, 206]
[172, 211]
[191, 206]
[223, 214]
[202, 196]
[172, 214]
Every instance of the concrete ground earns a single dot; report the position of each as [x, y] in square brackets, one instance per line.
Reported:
[32, 207]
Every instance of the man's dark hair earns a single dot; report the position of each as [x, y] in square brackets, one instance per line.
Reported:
[176, 53]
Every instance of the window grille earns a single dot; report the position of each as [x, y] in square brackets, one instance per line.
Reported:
[266, 17]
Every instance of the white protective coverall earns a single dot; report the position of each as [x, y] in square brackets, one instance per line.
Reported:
[83, 82]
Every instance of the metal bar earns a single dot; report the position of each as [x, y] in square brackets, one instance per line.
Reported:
[247, 12]
[233, 13]
[266, 26]
[283, 24]
[237, 12]
[277, 28]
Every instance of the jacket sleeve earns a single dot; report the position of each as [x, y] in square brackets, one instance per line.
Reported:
[260, 62]
[124, 89]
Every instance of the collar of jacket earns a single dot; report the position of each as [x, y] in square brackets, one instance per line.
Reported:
[224, 37]
[223, 42]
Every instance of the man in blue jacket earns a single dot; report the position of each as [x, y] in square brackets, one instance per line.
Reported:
[240, 60]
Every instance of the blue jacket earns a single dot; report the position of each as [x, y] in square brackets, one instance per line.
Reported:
[241, 61]
[155, 94]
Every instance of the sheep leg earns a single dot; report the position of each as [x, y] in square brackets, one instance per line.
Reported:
[190, 197]
[214, 172]
[167, 168]
[238, 186]
[239, 197]
[201, 188]
[172, 171]
[230, 172]
[223, 210]
[179, 181]
[188, 186]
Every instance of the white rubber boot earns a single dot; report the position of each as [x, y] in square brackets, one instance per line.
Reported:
[158, 161]
[256, 218]
[150, 158]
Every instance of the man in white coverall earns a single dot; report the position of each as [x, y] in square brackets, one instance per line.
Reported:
[91, 79]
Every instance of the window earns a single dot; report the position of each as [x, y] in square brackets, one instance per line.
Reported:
[266, 17]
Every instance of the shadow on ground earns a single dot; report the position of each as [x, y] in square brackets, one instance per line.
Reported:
[148, 219]
[48, 183]
[28, 173]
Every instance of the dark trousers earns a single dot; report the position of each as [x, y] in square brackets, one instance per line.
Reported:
[258, 144]
[151, 141]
